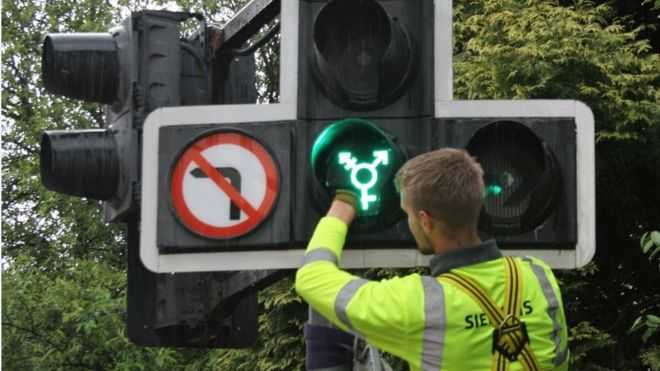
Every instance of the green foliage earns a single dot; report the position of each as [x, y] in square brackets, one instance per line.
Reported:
[651, 358]
[650, 242]
[280, 331]
[71, 319]
[280, 344]
[534, 49]
[649, 323]
[584, 338]
[268, 71]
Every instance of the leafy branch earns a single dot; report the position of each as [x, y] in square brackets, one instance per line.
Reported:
[650, 243]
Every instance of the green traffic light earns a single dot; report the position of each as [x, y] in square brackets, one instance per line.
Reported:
[357, 155]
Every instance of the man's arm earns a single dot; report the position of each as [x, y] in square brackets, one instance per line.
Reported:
[319, 280]
[388, 314]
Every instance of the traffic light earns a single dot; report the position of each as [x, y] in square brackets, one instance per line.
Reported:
[364, 86]
[538, 162]
[133, 70]
[354, 105]
[356, 154]
[100, 164]
[373, 79]
[365, 104]
[129, 69]
[523, 177]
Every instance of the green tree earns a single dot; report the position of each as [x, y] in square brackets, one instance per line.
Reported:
[71, 320]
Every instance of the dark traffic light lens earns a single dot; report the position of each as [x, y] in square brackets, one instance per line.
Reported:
[521, 176]
[363, 58]
[357, 155]
[81, 66]
[81, 163]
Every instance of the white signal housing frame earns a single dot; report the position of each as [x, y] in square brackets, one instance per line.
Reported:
[585, 248]
[286, 109]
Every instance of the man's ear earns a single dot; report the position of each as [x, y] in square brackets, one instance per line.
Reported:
[426, 221]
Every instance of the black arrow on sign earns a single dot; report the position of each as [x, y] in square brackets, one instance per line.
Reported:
[234, 177]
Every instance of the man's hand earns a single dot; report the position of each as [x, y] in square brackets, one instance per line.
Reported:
[343, 206]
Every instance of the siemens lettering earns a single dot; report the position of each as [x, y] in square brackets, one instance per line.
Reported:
[477, 320]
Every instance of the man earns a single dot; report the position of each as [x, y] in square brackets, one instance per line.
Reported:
[477, 311]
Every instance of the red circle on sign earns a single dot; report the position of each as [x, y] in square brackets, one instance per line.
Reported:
[255, 215]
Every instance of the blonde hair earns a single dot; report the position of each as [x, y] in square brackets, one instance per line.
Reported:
[446, 183]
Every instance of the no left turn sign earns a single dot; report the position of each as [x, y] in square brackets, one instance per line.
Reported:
[224, 185]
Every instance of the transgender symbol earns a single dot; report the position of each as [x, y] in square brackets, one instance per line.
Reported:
[350, 164]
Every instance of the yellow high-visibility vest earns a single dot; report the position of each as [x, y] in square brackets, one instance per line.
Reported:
[429, 322]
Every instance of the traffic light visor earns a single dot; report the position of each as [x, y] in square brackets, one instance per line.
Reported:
[521, 176]
[81, 163]
[81, 66]
[363, 57]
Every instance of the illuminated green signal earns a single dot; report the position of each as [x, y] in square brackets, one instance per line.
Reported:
[493, 190]
[357, 155]
[364, 183]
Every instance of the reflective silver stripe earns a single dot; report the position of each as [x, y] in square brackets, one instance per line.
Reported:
[320, 254]
[344, 297]
[553, 310]
[435, 318]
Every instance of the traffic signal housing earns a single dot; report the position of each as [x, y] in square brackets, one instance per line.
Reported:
[365, 101]
[349, 128]
[132, 70]
[129, 69]
[385, 68]
[529, 174]
[363, 53]
[84, 66]
[523, 176]
[100, 164]
[538, 162]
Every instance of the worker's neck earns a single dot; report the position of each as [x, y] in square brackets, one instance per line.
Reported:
[459, 240]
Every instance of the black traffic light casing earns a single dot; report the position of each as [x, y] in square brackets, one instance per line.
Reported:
[530, 176]
[370, 62]
[134, 69]
[367, 58]
[97, 163]
[121, 123]
[359, 79]
[84, 66]
[129, 69]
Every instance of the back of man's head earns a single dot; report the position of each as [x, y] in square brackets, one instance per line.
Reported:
[447, 184]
